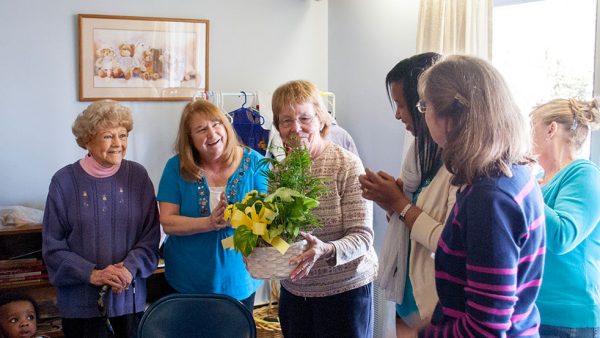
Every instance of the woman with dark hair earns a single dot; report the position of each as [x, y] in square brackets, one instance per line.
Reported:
[490, 255]
[211, 169]
[417, 204]
[401, 84]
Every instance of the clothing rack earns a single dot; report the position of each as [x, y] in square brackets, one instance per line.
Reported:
[330, 102]
[209, 94]
[217, 98]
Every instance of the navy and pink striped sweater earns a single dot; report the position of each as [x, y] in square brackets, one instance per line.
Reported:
[489, 260]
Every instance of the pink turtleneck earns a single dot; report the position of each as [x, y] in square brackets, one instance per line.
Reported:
[93, 168]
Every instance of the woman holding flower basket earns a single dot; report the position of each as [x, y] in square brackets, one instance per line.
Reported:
[329, 293]
[210, 170]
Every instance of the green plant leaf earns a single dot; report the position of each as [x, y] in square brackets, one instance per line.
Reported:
[244, 240]
[294, 192]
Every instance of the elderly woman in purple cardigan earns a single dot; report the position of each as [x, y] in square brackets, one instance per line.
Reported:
[101, 229]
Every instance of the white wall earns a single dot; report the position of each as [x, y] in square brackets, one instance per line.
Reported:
[366, 39]
[254, 45]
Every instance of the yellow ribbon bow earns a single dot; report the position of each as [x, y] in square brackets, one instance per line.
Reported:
[257, 222]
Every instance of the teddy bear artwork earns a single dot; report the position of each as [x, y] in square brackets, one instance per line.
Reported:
[148, 69]
[127, 65]
[105, 61]
[142, 63]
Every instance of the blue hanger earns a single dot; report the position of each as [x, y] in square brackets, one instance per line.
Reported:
[245, 98]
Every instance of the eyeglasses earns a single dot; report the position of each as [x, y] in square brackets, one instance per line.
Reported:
[304, 120]
[421, 107]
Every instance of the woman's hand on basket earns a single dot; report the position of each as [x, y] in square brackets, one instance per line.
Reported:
[306, 260]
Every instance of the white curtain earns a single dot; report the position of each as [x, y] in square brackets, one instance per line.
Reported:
[455, 27]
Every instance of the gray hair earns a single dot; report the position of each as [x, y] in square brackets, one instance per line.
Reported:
[100, 115]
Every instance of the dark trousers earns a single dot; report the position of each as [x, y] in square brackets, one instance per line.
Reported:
[548, 331]
[348, 314]
[123, 326]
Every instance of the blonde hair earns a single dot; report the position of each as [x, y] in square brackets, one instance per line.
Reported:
[188, 154]
[488, 133]
[100, 115]
[576, 117]
[300, 92]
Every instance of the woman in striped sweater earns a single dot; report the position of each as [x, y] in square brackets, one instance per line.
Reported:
[490, 255]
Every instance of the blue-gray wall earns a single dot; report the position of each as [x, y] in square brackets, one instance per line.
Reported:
[254, 46]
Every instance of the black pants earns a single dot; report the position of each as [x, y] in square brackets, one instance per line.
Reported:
[349, 314]
[124, 326]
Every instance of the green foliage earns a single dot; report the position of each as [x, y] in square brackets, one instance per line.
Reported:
[244, 240]
[294, 173]
[294, 192]
[294, 213]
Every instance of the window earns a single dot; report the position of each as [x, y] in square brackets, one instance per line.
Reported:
[545, 48]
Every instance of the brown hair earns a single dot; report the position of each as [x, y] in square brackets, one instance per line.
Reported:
[488, 133]
[299, 92]
[188, 155]
[577, 117]
[100, 115]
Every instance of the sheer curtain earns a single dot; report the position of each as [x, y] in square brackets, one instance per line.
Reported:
[455, 27]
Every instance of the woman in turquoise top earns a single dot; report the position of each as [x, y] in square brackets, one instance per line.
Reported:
[569, 299]
[211, 169]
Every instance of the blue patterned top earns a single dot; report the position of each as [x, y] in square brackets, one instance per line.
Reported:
[198, 263]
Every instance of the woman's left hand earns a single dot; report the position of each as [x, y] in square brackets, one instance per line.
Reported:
[383, 189]
[124, 272]
[306, 260]
[216, 217]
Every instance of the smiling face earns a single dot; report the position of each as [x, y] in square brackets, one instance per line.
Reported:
[402, 111]
[209, 137]
[108, 146]
[301, 121]
[17, 319]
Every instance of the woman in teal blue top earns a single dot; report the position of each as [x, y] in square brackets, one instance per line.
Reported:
[211, 169]
[569, 299]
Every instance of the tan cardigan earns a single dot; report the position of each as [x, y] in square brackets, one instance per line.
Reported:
[348, 224]
[436, 201]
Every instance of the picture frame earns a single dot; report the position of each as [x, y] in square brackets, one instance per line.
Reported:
[133, 58]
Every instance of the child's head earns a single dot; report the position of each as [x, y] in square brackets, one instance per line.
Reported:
[18, 315]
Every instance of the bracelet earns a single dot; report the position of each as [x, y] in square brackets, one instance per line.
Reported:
[402, 214]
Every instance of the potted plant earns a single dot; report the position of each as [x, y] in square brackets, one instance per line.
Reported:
[267, 227]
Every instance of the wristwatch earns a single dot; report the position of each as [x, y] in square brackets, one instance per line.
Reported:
[402, 214]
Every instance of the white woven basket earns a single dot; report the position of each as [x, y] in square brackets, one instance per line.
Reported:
[268, 263]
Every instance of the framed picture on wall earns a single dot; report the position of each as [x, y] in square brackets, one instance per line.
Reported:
[141, 58]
